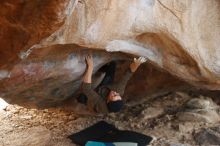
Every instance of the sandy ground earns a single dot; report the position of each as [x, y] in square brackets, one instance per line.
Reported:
[50, 127]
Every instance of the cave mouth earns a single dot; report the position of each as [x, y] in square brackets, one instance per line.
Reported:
[153, 97]
[50, 76]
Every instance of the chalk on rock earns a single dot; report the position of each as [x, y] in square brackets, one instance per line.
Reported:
[3, 104]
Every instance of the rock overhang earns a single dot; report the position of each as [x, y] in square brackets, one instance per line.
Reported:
[174, 35]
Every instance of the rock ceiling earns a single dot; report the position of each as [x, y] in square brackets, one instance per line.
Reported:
[42, 42]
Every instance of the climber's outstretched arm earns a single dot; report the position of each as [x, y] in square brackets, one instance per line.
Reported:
[120, 86]
[88, 75]
[95, 102]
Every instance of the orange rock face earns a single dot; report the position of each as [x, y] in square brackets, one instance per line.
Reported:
[25, 23]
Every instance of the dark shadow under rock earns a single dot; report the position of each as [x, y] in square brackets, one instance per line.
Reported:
[52, 75]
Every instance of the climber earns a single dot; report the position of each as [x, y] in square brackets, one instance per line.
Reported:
[107, 97]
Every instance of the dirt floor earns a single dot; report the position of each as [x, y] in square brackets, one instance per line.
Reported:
[50, 127]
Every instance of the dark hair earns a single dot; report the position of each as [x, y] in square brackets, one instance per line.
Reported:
[115, 106]
[82, 98]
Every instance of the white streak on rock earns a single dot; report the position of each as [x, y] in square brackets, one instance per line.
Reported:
[71, 6]
[3, 104]
[135, 49]
[71, 64]
[4, 74]
[92, 33]
[25, 54]
[74, 66]
[29, 70]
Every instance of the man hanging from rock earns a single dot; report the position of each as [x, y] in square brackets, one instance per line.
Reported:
[107, 96]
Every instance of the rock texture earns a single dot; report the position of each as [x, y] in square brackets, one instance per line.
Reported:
[209, 136]
[39, 136]
[26, 23]
[200, 110]
[56, 125]
[37, 39]
[175, 34]
[51, 77]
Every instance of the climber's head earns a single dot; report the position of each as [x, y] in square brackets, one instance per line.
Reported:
[114, 102]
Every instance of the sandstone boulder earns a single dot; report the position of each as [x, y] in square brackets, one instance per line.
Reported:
[209, 136]
[174, 35]
[200, 110]
[37, 38]
[150, 112]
